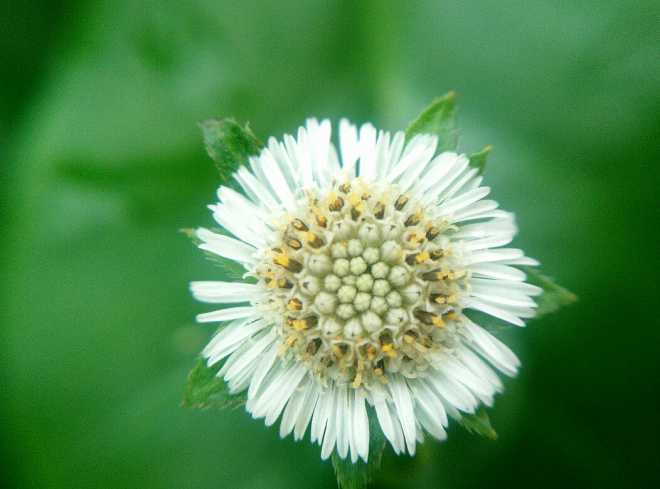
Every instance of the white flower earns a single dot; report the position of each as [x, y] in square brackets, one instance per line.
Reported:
[360, 265]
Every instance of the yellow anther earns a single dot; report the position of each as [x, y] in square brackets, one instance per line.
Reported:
[414, 219]
[378, 371]
[422, 257]
[379, 210]
[294, 304]
[281, 259]
[432, 232]
[312, 239]
[357, 381]
[321, 220]
[354, 199]
[299, 225]
[299, 324]
[401, 202]
[388, 349]
[438, 322]
[451, 315]
[408, 338]
[415, 238]
[335, 202]
[294, 243]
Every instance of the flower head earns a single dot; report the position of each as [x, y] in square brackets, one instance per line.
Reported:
[359, 268]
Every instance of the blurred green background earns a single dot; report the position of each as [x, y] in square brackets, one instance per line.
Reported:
[102, 162]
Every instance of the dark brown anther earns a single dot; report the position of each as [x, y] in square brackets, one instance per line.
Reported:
[299, 225]
[313, 346]
[436, 254]
[401, 202]
[321, 220]
[294, 243]
[283, 283]
[413, 219]
[438, 298]
[423, 316]
[366, 196]
[433, 275]
[385, 338]
[410, 336]
[410, 259]
[312, 321]
[315, 241]
[428, 318]
[287, 263]
[379, 210]
[432, 233]
[356, 212]
[345, 187]
[337, 204]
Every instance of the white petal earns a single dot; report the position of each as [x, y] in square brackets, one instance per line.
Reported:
[453, 392]
[250, 356]
[463, 201]
[330, 436]
[404, 409]
[230, 338]
[305, 414]
[226, 314]
[263, 369]
[225, 246]
[500, 255]
[320, 416]
[227, 292]
[513, 285]
[343, 422]
[412, 173]
[360, 425]
[479, 368]
[229, 219]
[292, 410]
[252, 186]
[348, 146]
[391, 428]
[367, 169]
[497, 271]
[494, 311]
[493, 349]
[282, 395]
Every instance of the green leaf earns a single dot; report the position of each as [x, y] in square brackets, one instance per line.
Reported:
[478, 159]
[360, 474]
[439, 118]
[479, 424]
[554, 296]
[205, 389]
[229, 144]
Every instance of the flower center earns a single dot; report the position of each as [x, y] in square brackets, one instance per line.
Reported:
[363, 282]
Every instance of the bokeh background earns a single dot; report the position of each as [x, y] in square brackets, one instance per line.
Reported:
[102, 162]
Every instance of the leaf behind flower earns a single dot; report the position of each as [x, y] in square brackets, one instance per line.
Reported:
[439, 119]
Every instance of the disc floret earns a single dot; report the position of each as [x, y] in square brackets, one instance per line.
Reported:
[363, 282]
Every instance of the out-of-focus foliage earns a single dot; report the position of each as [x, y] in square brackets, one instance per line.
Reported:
[102, 164]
